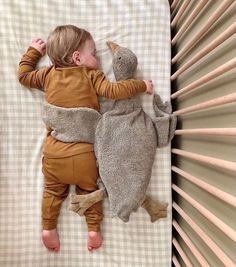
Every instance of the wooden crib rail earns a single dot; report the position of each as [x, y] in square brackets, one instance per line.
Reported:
[220, 254]
[231, 64]
[175, 261]
[207, 187]
[227, 99]
[203, 170]
[180, 12]
[182, 253]
[189, 20]
[205, 212]
[191, 245]
[215, 16]
[174, 4]
[208, 131]
[215, 43]
[222, 164]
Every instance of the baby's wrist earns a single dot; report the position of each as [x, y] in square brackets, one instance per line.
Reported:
[36, 49]
[33, 53]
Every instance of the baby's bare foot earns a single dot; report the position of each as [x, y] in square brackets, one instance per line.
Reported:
[94, 240]
[51, 240]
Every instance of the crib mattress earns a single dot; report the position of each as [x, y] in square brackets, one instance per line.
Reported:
[142, 26]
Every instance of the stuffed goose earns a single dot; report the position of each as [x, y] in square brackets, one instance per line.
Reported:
[125, 140]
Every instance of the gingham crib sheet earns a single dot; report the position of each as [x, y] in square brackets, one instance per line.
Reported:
[142, 26]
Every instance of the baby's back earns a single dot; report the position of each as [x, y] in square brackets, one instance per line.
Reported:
[70, 88]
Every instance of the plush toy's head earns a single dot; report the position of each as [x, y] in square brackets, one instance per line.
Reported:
[124, 62]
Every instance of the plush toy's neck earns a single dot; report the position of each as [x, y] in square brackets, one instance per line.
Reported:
[124, 64]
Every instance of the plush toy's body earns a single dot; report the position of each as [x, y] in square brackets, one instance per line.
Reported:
[125, 147]
[125, 143]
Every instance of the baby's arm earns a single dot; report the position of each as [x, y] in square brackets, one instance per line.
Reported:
[121, 89]
[27, 73]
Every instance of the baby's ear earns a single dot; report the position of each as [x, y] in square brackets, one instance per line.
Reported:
[76, 58]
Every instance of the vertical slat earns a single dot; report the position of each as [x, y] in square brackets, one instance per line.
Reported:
[209, 215]
[180, 13]
[219, 11]
[189, 20]
[221, 255]
[182, 253]
[174, 4]
[220, 168]
[231, 64]
[219, 40]
[209, 188]
[190, 245]
[227, 99]
[220, 163]
[208, 131]
[175, 261]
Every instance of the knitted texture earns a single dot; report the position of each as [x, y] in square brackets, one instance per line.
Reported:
[77, 124]
[125, 146]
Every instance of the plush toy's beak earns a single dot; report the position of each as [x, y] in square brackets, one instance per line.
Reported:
[113, 46]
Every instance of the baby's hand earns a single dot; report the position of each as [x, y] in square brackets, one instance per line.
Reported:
[39, 45]
[149, 87]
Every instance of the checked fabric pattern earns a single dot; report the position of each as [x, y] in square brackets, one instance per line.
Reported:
[143, 26]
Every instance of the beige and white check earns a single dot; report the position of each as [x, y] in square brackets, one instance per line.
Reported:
[144, 27]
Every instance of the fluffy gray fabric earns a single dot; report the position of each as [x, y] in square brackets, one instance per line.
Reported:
[125, 137]
[125, 141]
[165, 121]
[67, 125]
[125, 145]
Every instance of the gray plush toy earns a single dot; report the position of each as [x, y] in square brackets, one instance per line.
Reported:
[125, 140]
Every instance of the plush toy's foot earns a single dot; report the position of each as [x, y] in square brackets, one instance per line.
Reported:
[159, 215]
[155, 209]
[80, 203]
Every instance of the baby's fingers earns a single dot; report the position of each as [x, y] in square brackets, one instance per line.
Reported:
[39, 45]
[40, 41]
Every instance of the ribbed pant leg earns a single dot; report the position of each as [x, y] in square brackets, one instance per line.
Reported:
[86, 171]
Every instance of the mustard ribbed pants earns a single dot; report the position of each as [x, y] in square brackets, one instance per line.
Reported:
[59, 173]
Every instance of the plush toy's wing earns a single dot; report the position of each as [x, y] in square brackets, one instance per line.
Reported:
[164, 122]
[71, 125]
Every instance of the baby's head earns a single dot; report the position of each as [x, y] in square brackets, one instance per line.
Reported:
[69, 46]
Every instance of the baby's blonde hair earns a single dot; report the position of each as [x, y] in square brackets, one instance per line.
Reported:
[63, 41]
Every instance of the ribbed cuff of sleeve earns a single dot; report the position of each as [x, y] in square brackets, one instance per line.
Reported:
[33, 53]
[141, 86]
